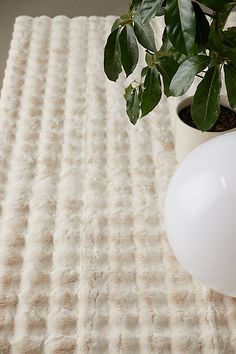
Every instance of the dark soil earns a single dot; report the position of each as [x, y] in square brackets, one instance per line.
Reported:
[226, 120]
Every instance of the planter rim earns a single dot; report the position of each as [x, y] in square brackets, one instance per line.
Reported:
[185, 103]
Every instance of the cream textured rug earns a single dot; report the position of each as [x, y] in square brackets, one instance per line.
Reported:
[85, 266]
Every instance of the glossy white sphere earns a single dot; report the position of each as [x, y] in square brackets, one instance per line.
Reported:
[200, 213]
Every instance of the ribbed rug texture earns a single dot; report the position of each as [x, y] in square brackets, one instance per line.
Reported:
[85, 266]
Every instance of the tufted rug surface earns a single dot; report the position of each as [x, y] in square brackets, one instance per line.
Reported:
[85, 266]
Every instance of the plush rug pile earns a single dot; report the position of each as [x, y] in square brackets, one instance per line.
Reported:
[85, 266]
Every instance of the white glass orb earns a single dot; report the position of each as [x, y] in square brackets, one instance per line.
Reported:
[200, 213]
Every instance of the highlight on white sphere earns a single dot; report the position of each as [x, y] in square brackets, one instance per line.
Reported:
[200, 213]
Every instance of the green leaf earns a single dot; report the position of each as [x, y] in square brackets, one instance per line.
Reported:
[125, 17]
[117, 24]
[150, 59]
[166, 43]
[180, 58]
[230, 82]
[167, 49]
[167, 66]
[145, 35]
[135, 5]
[152, 91]
[228, 41]
[180, 24]
[144, 71]
[229, 54]
[229, 37]
[112, 56]
[216, 5]
[161, 9]
[186, 72]
[132, 104]
[202, 25]
[206, 101]
[129, 49]
[215, 41]
[128, 92]
[148, 9]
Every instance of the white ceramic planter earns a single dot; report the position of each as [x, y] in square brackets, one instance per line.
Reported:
[186, 137]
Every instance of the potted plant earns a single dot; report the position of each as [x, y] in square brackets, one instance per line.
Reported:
[194, 43]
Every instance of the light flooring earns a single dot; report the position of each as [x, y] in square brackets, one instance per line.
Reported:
[9, 9]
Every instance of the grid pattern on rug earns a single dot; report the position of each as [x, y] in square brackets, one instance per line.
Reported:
[85, 266]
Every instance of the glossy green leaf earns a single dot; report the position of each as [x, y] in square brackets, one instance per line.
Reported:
[150, 59]
[166, 43]
[202, 25]
[129, 49]
[206, 101]
[145, 35]
[180, 24]
[167, 49]
[229, 37]
[186, 72]
[229, 53]
[112, 56]
[216, 5]
[144, 71]
[167, 66]
[132, 104]
[125, 17]
[227, 49]
[135, 4]
[128, 92]
[223, 16]
[180, 58]
[152, 91]
[230, 82]
[148, 9]
[117, 24]
[161, 9]
[215, 41]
